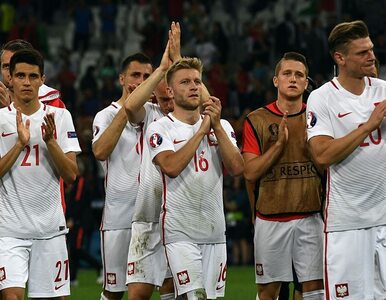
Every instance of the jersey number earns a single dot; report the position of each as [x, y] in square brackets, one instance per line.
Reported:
[200, 162]
[59, 268]
[26, 160]
[374, 140]
[223, 273]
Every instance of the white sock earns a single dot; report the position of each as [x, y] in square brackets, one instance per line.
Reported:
[167, 296]
[314, 295]
[103, 297]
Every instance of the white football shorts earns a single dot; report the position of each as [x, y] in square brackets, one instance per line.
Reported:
[278, 245]
[198, 266]
[43, 263]
[114, 249]
[146, 262]
[356, 264]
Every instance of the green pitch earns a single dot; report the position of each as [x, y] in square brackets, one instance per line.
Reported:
[240, 285]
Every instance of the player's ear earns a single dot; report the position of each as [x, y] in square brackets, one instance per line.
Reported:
[121, 79]
[170, 92]
[43, 79]
[275, 81]
[339, 58]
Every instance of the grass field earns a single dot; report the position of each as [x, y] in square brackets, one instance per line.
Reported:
[240, 285]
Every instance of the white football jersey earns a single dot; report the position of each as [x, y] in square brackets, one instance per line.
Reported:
[356, 186]
[30, 195]
[192, 206]
[121, 171]
[149, 196]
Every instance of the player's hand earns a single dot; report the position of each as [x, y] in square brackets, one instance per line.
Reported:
[212, 108]
[48, 127]
[5, 98]
[22, 129]
[376, 116]
[130, 88]
[205, 125]
[175, 41]
[283, 131]
[165, 61]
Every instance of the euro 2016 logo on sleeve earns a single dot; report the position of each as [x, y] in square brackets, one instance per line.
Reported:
[183, 277]
[311, 119]
[155, 140]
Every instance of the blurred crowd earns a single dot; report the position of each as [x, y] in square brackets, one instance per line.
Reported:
[84, 41]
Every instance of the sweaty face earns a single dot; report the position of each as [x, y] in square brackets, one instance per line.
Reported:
[135, 74]
[291, 80]
[186, 85]
[5, 59]
[26, 80]
[164, 99]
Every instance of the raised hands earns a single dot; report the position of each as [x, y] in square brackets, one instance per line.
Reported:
[212, 108]
[376, 116]
[172, 51]
[165, 60]
[283, 131]
[205, 125]
[175, 42]
[5, 98]
[48, 127]
[22, 129]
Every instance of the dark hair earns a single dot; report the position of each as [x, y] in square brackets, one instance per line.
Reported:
[28, 56]
[139, 57]
[291, 56]
[16, 45]
[343, 33]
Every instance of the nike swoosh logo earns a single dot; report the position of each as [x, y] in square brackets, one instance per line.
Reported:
[178, 141]
[340, 115]
[219, 287]
[59, 286]
[7, 134]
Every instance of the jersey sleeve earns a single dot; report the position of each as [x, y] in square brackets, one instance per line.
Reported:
[158, 139]
[318, 117]
[229, 131]
[249, 143]
[67, 137]
[100, 123]
[153, 112]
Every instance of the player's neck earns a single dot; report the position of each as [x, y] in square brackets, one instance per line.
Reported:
[122, 100]
[27, 108]
[354, 85]
[186, 116]
[292, 106]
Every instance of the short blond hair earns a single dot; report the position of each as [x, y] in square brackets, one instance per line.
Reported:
[184, 63]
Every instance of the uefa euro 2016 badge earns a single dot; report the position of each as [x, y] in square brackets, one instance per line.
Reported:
[311, 119]
[155, 140]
